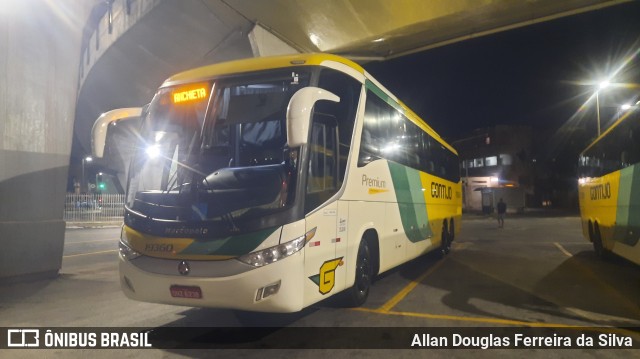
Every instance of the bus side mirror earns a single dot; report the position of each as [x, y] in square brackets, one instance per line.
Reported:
[100, 127]
[299, 113]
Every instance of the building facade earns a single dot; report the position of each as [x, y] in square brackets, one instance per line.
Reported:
[496, 163]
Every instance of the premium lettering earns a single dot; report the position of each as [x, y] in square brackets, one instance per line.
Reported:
[373, 182]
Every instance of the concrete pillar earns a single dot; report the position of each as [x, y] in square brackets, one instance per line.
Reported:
[39, 58]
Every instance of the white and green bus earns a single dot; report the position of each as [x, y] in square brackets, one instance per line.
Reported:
[609, 190]
[270, 184]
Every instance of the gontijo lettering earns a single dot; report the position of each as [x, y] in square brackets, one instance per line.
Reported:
[600, 191]
[440, 191]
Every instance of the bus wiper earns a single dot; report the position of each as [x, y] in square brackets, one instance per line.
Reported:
[172, 182]
[229, 218]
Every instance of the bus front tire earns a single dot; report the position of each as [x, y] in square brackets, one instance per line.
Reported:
[357, 295]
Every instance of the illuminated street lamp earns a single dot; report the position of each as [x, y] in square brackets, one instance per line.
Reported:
[601, 86]
[84, 181]
[630, 106]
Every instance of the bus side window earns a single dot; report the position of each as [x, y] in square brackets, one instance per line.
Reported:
[321, 177]
[633, 144]
[348, 89]
[377, 140]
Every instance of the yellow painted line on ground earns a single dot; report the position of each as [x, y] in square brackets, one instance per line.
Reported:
[98, 240]
[88, 254]
[561, 248]
[466, 319]
[408, 288]
[487, 320]
[623, 299]
[615, 293]
[572, 242]
[461, 245]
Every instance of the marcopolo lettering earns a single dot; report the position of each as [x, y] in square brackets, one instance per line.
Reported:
[601, 191]
[440, 191]
[158, 247]
[186, 230]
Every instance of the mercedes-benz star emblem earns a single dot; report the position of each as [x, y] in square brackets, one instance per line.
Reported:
[183, 268]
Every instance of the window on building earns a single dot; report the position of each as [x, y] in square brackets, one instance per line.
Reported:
[491, 161]
[506, 159]
[469, 163]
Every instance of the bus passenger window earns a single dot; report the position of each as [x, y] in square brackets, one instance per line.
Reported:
[348, 89]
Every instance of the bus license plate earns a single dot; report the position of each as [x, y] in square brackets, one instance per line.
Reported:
[181, 291]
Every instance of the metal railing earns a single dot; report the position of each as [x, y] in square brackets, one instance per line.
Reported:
[93, 207]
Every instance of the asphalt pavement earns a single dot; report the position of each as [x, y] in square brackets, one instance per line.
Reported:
[536, 272]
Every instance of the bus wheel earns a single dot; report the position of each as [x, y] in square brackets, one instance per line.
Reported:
[358, 294]
[445, 243]
[598, 248]
[452, 232]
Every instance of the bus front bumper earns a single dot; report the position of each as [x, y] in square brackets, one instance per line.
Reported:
[276, 287]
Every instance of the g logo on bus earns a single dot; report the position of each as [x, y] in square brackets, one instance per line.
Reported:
[326, 279]
[183, 268]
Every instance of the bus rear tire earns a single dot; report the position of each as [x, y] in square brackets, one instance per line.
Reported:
[445, 242]
[598, 248]
[357, 295]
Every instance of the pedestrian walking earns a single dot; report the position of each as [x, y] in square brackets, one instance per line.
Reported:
[502, 209]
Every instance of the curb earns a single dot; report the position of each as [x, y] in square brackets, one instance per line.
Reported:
[84, 225]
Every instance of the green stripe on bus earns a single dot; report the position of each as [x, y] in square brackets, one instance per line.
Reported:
[383, 95]
[410, 198]
[628, 215]
[229, 246]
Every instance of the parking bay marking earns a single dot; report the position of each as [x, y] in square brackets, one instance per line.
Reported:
[386, 307]
[408, 288]
[561, 248]
[608, 287]
[501, 321]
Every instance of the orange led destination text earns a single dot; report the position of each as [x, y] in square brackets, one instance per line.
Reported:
[192, 94]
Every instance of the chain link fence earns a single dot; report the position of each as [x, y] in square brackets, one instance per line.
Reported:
[94, 208]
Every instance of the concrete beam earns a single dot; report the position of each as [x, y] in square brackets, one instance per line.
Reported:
[266, 43]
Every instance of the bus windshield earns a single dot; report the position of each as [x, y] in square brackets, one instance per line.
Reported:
[216, 151]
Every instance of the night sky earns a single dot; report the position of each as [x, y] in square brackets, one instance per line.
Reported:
[535, 75]
[529, 75]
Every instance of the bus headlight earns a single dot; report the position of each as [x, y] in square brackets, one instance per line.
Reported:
[125, 251]
[276, 253]
[153, 151]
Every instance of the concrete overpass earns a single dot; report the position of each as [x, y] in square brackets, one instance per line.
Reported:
[67, 61]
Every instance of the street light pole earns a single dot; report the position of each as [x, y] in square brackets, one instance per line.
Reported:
[84, 180]
[82, 186]
[601, 86]
[598, 110]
